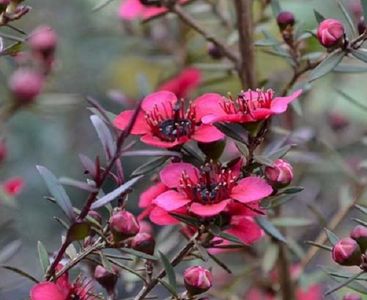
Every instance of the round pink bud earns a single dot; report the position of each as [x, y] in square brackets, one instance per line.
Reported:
[359, 234]
[280, 174]
[124, 225]
[352, 296]
[43, 39]
[285, 19]
[143, 242]
[25, 85]
[197, 280]
[331, 33]
[347, 252]
[106, 278]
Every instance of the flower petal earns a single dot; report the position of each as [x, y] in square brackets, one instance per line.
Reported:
[280, 104]
[251, 189]
[183, 83]
[157, 142]
[207, 134]
[163, 101]
[208, 104]
[208, 210]
[152, 192]
[124, 118]
[245, 229]
[46, 291]
[130, 10]
[171, 200]
[171, 175]
[161, 217]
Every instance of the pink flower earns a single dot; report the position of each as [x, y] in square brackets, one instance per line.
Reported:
[183, 83]
[134, 9]
[123, 224]
[62, 289]
[163, 121]
[209, 191]
[285, 19]
[346, 252]
[250, 106]
[25, 85]
[13, 186]
[280, 174]
[330, 33]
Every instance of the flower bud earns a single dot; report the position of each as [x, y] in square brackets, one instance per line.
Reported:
[347, 252]
[331, 33]
[352, 296]
[25, 85]
[359, 234]
[44, 40]
[123, 225]
[197, 280]
[214, 51]
[361, 26]
[106, 278]
[145, 227]
[280, 174]
[285, 19]
[143, 242]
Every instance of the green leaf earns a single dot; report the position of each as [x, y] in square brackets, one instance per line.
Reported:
[186, 219]
[21, 273]
[364, 6]
[348, 68]
[275, 5]
[215, 230]
[57, 191]
[78, 231]
[263, 160]
[279, 153]
[169, 271]
[350, 23]
[327, 65]
[291, 222]
[352, 100]
[150, 166]
[360, 54]
[232, 131]
[115, 193]
[43, 256]
[220, 263]
[270, 229]
[243, 149]
[169, 287]
[291, 190]
[360, 222]
[104, 136]
[138, 253]
[319, 17]
[332, 237]
[266, 43]
[345, 283]
[361, 208]
[328, 248]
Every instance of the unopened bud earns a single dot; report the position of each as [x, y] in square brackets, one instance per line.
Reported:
[359, 234]
[44, 40]
[361, 25]
[106, 278]
[214, 51]
[352, 296]
[123, 225]
[143, 242]
[285, 19]
[280, 174]
[197, 280]
[25, 85]
[331, 33]
[347, 252]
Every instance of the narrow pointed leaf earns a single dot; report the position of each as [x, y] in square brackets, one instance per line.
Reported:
[344, 283]
[104, 136]
[117, 192]
[275, 5]
[319, 17]
[138, 253]
[327, 65]
[169, 270]
[150, 166]
[270, 229]
[349, 68]
[332, 237]
[364, 6]
[57, 191]
[169, 287]
[361, 208]
[328, 248]
[43, 256]
[21, 273]
[232, 131]
[347, 16]
[360, 54]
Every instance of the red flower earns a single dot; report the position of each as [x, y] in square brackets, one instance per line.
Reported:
[133, 9]
[209, 191]
[183, 83]
[250, 106]
[13, 186]
[164, 122]
[62, 289]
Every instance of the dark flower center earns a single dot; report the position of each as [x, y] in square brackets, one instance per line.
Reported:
[172, 122]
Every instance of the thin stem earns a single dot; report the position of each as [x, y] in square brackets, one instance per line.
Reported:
[175, 261]
[247, 71]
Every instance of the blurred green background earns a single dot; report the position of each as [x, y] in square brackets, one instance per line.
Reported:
[97, 55]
